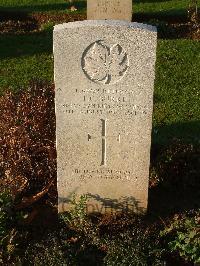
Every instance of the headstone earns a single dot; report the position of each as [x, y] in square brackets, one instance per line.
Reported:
[109, 9]
[104, 78]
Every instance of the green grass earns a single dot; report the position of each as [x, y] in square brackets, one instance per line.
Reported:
[173, 7]
[177, 91]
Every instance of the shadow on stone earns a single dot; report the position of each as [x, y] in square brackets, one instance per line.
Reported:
[97, 204]
[125, 204]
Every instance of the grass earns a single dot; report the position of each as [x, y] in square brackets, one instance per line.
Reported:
[25, 57]
[177, 91]
[139, 6]
[174, 7]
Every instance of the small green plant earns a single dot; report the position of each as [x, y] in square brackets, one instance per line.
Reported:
[184, 237]
[78, 234]
[48, 26]
[79, 221]
[76, 217]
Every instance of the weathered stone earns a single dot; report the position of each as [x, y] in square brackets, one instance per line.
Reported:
[104, 78]
[109, 9]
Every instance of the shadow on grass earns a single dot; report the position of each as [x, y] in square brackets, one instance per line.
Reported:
[13, 15]
[171, 16]
[175, 172]
[12, 46]
[188, 132]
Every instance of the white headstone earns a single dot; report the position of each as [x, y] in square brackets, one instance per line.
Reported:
[104, 78]
[109, 9]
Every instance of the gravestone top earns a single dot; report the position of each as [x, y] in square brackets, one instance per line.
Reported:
[110, 23]
[104, 79]
[109, 9]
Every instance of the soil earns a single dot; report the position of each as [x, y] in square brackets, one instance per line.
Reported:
[18, 23]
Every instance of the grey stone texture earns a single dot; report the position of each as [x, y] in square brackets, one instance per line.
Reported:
[109, 9]
[104, 79]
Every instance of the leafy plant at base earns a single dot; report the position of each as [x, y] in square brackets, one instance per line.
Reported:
[184, 237]
[79, 235]
[78, 221]
[76, 217]
[88, 242]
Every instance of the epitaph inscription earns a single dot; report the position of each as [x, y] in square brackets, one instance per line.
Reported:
[104, 113]
[104, 64]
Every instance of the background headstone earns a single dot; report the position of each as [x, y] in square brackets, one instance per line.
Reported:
[109, 9]
[104, 78]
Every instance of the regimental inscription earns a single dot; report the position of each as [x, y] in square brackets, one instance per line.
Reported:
[125, 109]
[104, 64]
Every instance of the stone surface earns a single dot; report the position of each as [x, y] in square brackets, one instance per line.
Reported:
[104, 78]
[109, 9]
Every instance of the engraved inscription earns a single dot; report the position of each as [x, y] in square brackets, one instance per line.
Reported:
[121, 108]
[109, 9]
[104, 173]
[104, 64]
[105, 6]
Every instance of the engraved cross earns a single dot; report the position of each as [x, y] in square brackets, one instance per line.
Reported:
[104, 141]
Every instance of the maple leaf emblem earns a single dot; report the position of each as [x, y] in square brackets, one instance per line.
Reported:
[104, 64]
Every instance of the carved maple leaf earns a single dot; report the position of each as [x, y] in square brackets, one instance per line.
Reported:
[118, 61]
[105, 64]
